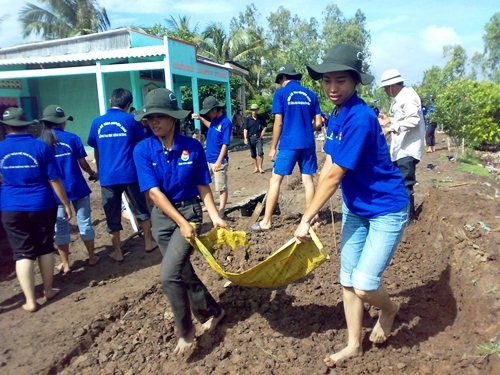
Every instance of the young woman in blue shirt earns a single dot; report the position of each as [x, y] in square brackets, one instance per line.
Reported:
[30, 176]
[375, 201]
[70, 155]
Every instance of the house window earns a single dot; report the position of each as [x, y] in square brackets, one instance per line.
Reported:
[152, 75]
[14, 84]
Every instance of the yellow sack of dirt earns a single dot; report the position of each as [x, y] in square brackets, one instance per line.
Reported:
[287, 264]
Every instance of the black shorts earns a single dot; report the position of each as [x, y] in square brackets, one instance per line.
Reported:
[111, 197]
[30, 233]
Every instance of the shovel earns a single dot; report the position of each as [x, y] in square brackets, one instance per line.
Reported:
[258, 209]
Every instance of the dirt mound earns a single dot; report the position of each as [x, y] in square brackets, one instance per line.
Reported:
[114, 319]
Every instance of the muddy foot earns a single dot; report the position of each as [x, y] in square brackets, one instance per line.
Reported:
[31, 308]
[383, 327]
[61, 268]
[117, 257]
[94, 260]
[342, 355]
[185, 343]
[152, 247]
[211, 323]
[51, 295]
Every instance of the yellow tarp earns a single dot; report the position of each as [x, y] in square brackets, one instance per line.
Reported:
[287, 264]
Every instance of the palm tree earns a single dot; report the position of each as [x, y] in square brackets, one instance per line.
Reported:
[180, 28]
[63, 18]
[242, 45]
[237, 46]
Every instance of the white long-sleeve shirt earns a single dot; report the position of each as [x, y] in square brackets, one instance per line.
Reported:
[407, 124]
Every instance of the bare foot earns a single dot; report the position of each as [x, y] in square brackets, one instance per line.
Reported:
[185, 343]
[383, 327]
[255, 171]
[116, 256]
[262, 171]
[30, 308]
[51, 295]
[342, 355]
[211, 323]
[62, 268]
[93, 260]
[151, 247]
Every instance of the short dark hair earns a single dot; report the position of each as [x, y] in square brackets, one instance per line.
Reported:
[121, 98]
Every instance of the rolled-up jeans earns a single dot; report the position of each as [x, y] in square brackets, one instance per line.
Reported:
[184, 290]
[83, 220]
[368, 245]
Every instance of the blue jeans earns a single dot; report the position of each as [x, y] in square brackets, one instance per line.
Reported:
[368, 245]
[184, 290]
[83, 220]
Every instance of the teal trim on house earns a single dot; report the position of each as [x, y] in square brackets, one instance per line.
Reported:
[79, 73]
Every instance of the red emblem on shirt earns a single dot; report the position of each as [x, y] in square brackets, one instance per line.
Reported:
[185, 155]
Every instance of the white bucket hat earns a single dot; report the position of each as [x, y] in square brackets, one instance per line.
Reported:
[390, 77]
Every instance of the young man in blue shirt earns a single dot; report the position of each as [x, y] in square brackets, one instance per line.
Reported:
[173, 171]
[296, 116]
[113, 137]
[217, 143]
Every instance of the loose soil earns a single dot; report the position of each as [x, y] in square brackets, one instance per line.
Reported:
[113, 318]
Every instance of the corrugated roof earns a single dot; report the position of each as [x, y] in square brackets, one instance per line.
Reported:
[88, 56]
[111, 39]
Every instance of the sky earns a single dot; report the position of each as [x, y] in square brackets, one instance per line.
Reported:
[407, 35]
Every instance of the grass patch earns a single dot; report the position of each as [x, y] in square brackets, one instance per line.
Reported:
[489, 348]
[478, 170]
[471, 163]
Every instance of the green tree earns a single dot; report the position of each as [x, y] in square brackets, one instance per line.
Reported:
[253, 58]
[469, 110]
[491, 55]
[56, 19]
[432, 83]
[291, 40]
[456, 66]
[239, 46]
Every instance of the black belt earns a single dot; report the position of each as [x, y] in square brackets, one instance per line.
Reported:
[187, 202]
[254, 135]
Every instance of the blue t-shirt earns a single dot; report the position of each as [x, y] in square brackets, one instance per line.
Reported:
[372, 186]
[218, 134]
[68, 150]
[176, 172]
[115, 135]
[27, 164]
[298, 106]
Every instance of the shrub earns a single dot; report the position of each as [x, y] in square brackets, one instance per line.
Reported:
[470, 110]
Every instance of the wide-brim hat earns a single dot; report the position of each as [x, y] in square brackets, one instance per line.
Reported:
[391, 77]
[289, 71]
[210, 103]
[161, 101]
[54, 113]
[340, 58]
[14, 116]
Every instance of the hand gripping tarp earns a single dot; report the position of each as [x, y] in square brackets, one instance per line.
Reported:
[287, 264]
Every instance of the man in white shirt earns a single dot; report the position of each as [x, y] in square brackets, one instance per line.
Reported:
[406, 126]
